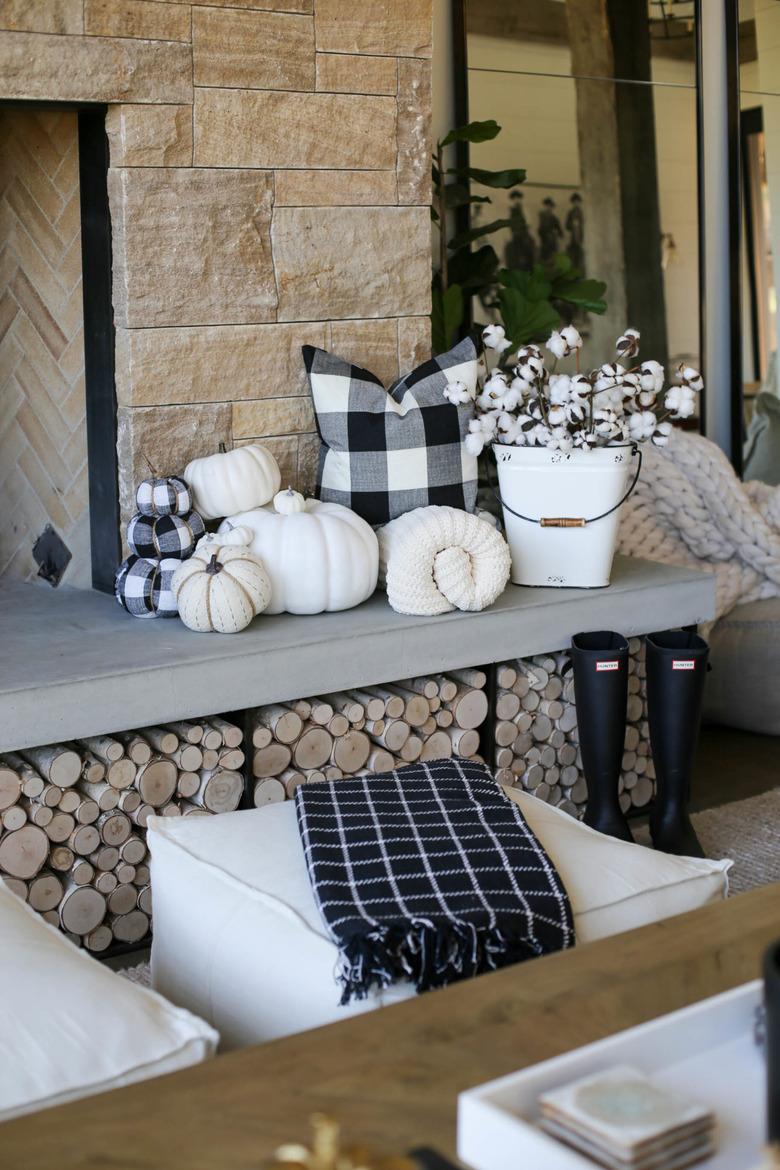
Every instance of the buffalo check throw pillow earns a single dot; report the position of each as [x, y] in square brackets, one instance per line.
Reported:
[385, 452]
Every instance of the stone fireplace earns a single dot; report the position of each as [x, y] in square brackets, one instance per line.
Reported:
[268, 187]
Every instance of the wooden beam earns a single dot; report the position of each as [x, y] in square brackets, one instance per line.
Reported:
[392, 1076]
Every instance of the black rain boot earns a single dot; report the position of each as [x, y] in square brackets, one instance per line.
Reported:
[676, 668]
[600, 662]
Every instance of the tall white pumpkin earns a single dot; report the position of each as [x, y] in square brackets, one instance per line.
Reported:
[232, 481]
[322, 558]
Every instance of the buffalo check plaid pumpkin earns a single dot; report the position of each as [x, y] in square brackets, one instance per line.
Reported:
[386, 452]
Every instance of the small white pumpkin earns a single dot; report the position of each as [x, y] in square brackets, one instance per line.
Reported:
[323, 558]
[220, 588]
[285, 503]
[233, 481]
[242, 537]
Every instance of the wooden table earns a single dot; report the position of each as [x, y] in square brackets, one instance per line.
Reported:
[392, 1076]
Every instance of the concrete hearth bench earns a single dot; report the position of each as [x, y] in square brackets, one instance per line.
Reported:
[76, 665]
[238, 938]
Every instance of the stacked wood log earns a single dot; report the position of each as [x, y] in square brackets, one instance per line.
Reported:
[537, 744]
[73, 820]
[361, 732]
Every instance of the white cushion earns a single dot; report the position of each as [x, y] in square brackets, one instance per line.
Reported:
[613, 885]
[70, 1027]
[238, 937]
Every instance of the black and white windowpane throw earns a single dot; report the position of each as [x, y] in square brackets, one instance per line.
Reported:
[428, 874]
[385, 452]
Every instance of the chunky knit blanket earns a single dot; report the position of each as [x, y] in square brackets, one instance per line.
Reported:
[689, 508]
[437, 559]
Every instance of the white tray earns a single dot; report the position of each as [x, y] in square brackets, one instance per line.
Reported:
[707, 1052]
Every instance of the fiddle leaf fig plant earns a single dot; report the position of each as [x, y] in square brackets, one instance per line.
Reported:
[461, 272]
[529, 303]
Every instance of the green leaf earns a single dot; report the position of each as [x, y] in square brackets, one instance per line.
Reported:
[473, 132]
[474, 233]
[510, 178]
[561, 265]
[458, 195]
[525, 320]
[534, 285]
[474, 270]
[586, 294]
[446, 316]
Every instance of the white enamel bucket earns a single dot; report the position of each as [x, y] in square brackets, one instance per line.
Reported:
[561, 511]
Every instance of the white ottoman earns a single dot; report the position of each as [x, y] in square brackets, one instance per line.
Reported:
[239, 940]
[70, 1027]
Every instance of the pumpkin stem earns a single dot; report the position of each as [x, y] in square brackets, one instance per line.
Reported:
[213, 566]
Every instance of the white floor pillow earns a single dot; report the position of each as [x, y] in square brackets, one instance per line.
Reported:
[615, 886]
[239, 940]
[70, 1027]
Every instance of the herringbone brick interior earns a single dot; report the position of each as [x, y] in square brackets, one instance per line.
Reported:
[43, 448]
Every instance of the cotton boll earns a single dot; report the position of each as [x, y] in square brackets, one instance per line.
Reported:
[510, 400]
[560, 440]
[583, 439]
[651, 377]
[522, 385]
[557, 345]
[540, 435]
[557, 416]
[661, 436]
[559, 389]
[530, 362]
[494, 337]
[488, 424]
[474, 444]
[681, 400]
[457, 393]
[627, 345]
[609, 375]
[690, 377]
[572, 338]
[641, 425]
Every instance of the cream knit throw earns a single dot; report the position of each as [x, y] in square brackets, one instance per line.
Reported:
[690, 509]
[437, 559]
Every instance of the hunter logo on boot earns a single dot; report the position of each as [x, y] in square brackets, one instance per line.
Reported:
[612, 665]
[683, 664]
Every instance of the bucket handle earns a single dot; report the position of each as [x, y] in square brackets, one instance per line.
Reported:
[569, 521]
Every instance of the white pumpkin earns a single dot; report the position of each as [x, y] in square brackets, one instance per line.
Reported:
[285, 503]
[220, 588]
[323, 558]
[233, 481]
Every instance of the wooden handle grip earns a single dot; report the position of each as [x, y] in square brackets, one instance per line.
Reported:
[562, 522]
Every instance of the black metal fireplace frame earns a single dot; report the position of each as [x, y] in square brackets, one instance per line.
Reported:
[101, 406]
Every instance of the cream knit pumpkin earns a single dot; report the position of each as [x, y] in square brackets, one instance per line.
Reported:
[437, 559]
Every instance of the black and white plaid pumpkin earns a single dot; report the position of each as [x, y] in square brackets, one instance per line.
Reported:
[143, 586]
[155, 537]
[163, 496]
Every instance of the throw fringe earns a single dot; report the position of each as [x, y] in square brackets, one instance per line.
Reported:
[428, 956]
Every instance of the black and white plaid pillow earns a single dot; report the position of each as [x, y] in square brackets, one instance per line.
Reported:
[385, 452]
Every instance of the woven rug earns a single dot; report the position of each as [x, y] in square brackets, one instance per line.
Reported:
[748, 831]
